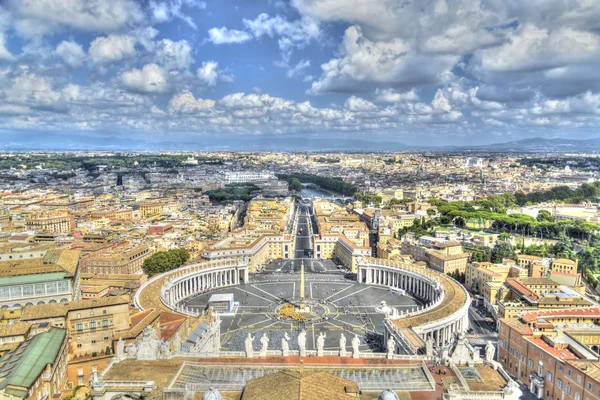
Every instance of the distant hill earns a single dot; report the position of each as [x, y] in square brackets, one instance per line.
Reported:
[541, 145]
[57, 142]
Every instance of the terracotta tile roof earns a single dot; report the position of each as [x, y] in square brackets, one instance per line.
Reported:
[590, 312]
[138, 323]
[95, 303]
[565, 261]
[521, 289]
[562, 354]
[169, 324]
[453, 301]
[16, 329]
[299, 385]
[42, 311]
[517, 325]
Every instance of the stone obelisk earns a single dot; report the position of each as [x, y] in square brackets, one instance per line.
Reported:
[302, 286]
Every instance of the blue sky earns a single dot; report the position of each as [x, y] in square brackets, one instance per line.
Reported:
[414, 71]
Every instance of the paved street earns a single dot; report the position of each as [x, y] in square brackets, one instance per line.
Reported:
[303, 239]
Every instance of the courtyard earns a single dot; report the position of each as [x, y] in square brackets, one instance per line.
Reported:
[339, 305]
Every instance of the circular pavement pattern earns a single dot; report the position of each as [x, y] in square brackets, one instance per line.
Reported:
[343, 305]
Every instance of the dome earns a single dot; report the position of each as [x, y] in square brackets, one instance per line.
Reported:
[212, 394]
[387, 394]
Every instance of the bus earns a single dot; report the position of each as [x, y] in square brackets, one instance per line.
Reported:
[394, 290]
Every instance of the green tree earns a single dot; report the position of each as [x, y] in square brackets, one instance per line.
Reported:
[545, 215]
[295, 185]
[163, 261]
[564, 246]
[502, 249]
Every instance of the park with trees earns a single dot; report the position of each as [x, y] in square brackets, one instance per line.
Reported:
[163, 261]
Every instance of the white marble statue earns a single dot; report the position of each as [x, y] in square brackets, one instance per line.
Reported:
[264, 345]
[120, 349]
[302, 343]
[165, 351]
[248, 343]
[490, 350]
[391, 347]
[343, 352]
[355, 347]
[320, 344]
[176, 343]
[148, 345]
[132, 351]
[429, 347]
[285, 345]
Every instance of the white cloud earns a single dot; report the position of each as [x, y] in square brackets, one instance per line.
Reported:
[392, 96]
[41, 16]
[529, 48]
[290, 35]
[440, 102]
[112, 48]
[150, 79]
[185, 102]
[174, 55]
[71, 52]
[242, 100]
[364, 63]
[296, 70]
[223, 36]
[4, 53]
[357, 104]
[33, 91]
[166, 10]
[209, 73]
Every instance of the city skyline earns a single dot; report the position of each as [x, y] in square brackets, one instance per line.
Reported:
[432, 73]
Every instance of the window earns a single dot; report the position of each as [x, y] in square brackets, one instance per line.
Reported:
[91, 313]
[78, 345]
[93, 342]
[549, 377]
[559, 383]
[105, 323]
[578, 378]
[79, 326]
[568, 388]
[530, 363]
[28, 290]
[92, 324]
[569, 373]
[590, 387]
[577, 396]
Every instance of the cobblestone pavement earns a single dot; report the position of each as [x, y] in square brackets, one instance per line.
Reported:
[340, 305]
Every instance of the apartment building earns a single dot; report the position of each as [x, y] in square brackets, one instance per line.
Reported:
[122, 258]
[52, 221]
[445, 256]
[52, 278]
[36, 369]
[554, 353]
[92, 323]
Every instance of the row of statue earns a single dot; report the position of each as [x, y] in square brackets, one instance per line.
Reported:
[146, 347]
[285, 345]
